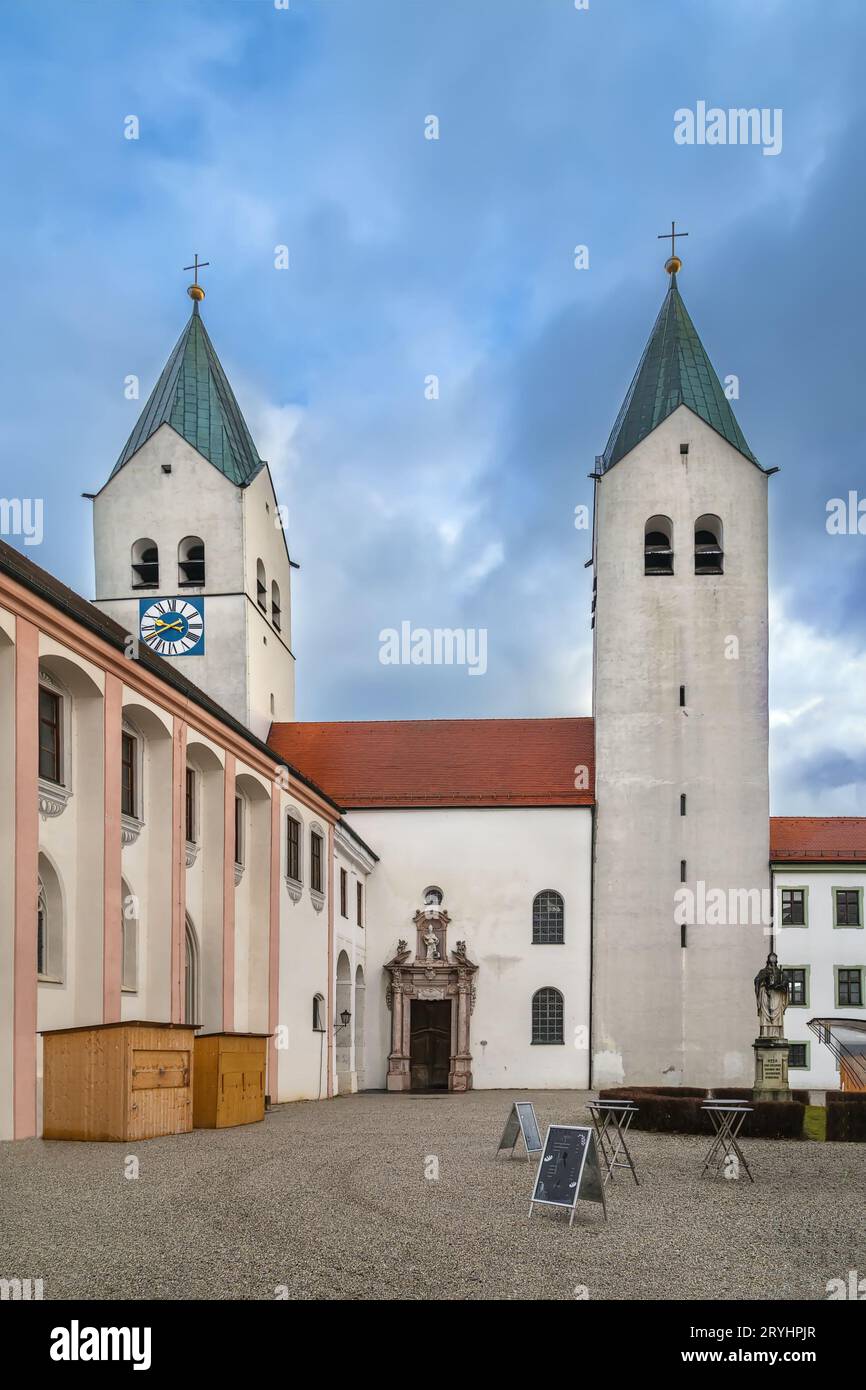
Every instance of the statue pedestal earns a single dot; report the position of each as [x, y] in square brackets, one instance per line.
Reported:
[771, 1069]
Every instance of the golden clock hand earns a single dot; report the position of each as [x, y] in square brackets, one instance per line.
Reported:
[168, 626]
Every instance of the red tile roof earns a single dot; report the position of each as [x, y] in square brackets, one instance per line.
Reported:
[814, 839]
[444, 762]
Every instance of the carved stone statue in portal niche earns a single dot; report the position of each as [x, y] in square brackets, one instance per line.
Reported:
[431, 941]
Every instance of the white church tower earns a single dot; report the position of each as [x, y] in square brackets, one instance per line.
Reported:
[681, 725]
[191, 556]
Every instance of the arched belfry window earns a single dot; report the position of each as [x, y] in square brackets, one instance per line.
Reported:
[261, 587]
[709, 551]
[658, 546]
[547, 1016]
[145, 564]
[276, 608]
[190, 561]
[548, 919]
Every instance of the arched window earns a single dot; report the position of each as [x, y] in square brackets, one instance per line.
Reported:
[548, 919]
[145, 565]
[709, 554]
[190, 561]
[318, 1013]
[658, 546]
[129, 939]
[191, 1002]
[261, 587]
[276, 610]
[547, 1016]
[49, 924]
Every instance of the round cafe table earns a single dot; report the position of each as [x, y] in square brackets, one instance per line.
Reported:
[727, 1118]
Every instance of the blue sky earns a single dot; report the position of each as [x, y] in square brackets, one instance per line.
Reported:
[410, 257]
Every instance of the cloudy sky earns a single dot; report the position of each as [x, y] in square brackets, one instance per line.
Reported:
[409, 257]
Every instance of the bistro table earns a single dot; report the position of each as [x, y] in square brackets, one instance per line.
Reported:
[612, 1119]
[727, 1118]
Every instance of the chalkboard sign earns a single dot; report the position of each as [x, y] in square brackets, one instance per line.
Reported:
[521, 1121]
[568, 1170]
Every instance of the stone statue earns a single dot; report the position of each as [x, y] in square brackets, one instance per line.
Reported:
[771, 996]
[431, 941]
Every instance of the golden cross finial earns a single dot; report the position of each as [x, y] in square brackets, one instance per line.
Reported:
[195, 290]
[673, 263]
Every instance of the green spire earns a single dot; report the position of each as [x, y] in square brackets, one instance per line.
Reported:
[674, 370]
[194, 397]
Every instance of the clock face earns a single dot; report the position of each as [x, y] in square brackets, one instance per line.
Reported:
[172, 626]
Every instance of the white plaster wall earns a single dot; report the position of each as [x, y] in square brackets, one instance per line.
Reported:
[663, 1014]
[350, 938]
[819, 946]
[270, 661]
[302, 1064]
[489, 864]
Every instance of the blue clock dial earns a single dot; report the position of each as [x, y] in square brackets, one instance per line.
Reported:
[172, 626]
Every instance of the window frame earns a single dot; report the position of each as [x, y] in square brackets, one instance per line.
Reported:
[261, 586]
[548, 1041]
[344, 893]
[537, 938]
[319, 1016]
[793, 888]
[807, 1048]
[190, 805]
[807, 985]
[240, 831]
[847, 926]
[837, 985]
[317, 861]
[129, 741]
[359, 902]
[184, 559]
[297, 844]
[58, 750]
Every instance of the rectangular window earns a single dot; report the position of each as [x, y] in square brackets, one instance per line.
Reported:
[190, 806]
[50, 742]
[276, 612]
[293, 849]
[682, 871]
[798, 993]
[128, 796]
[849, 987]
[798, 1055]
[682, 803]
[316, 862]
[682, 695]
[239, 830]
[344, 887]
[847, 902]
[793, 907]
[359, 894]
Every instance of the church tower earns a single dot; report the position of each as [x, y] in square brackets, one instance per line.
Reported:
[191, 556]
[681, 725]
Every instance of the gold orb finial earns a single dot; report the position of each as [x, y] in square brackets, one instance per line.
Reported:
[673, 264]
[196, 292]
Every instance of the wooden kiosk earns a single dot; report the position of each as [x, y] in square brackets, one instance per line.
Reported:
[229, 1079]
[118, 1081]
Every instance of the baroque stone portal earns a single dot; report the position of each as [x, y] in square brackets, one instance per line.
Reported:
[431, 999]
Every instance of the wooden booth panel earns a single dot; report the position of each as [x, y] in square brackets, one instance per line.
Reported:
[230, 1079]
[118, 1081]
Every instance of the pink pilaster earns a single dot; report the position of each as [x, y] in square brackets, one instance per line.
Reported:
[113, 907]
[178, 869]
[274, 947]
[229, 894]
[329, 880]
[26, 875]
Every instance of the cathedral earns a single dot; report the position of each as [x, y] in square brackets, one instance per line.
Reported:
[411, 904]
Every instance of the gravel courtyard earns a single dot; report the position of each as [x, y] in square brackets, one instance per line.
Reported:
[330, 1200]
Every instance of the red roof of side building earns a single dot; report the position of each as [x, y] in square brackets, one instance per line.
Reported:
[817, 839]
[445, 762]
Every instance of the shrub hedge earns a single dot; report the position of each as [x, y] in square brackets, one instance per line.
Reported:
[678, 1111]
[846, 1116]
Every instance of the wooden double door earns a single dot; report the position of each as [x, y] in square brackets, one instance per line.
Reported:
[430, 1044]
